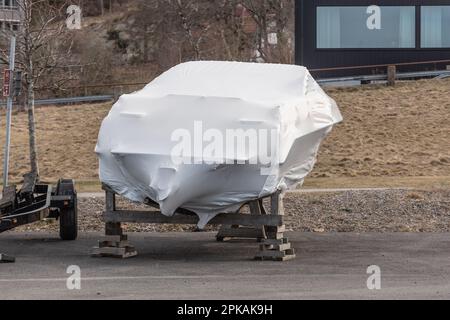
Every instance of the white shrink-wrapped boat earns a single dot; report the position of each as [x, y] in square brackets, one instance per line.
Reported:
[209, 136]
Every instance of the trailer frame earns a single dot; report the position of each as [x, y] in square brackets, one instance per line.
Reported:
[35, 202]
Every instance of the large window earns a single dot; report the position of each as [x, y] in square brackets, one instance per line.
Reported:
[435, 30]
[354, 27]
[8, 3]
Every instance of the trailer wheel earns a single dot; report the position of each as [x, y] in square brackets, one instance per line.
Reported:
[68, 218]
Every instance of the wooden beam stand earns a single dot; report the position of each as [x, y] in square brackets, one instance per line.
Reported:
[115, 244]
[152, 216]
[266, 228]
[276, 247]
[230, 232]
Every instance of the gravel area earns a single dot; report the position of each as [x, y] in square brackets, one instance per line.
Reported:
[370, 211]
[350, 211]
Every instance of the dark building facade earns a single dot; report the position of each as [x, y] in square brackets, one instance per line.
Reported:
[356, 33]
[9, 15]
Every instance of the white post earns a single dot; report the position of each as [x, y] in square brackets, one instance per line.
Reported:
[12, 54]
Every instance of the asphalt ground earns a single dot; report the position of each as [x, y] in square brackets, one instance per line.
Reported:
[195, 266]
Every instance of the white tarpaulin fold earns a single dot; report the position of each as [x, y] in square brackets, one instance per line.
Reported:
[208, 136]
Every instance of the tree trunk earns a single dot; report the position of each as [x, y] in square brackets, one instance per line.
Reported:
[102, 7]
[32, 124]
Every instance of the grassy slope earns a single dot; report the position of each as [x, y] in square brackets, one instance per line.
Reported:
[390, 137]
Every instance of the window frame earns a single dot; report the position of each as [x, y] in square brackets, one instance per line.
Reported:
[420, 30]
[11, 6]
[417, 29]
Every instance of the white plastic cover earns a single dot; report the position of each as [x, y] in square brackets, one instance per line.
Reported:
[199, 136]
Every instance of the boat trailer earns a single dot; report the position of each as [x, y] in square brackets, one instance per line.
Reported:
[35, 202]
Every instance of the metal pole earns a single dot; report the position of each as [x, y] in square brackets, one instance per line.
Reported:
[12, 54]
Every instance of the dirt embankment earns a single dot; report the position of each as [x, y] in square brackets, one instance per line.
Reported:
[390, 131]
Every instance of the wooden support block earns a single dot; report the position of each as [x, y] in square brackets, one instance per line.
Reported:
[254, 207]
[283, 247]
[277, 247]
[116, 238]
[276, 241]
[276, 204]
[278, 229]
[117, 244]
[274, 255]
[261, 206]
[114, 252]
[6, 259]
[275, 235]
[114, 244]
[111, 228]
[227, 233]
[117, 249]
[125, 244]
[287, 257]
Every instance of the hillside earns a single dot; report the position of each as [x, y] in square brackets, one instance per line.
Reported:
[390, 131]
[396, 132]
[137, 40]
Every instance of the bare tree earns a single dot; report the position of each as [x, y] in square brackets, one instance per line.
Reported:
[171, 31]
[259, 11]
[192, 14]
[272, 16]
[283, 17]
[42, 46]
[235, 41]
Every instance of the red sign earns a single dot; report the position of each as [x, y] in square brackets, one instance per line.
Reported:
[6, 82]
